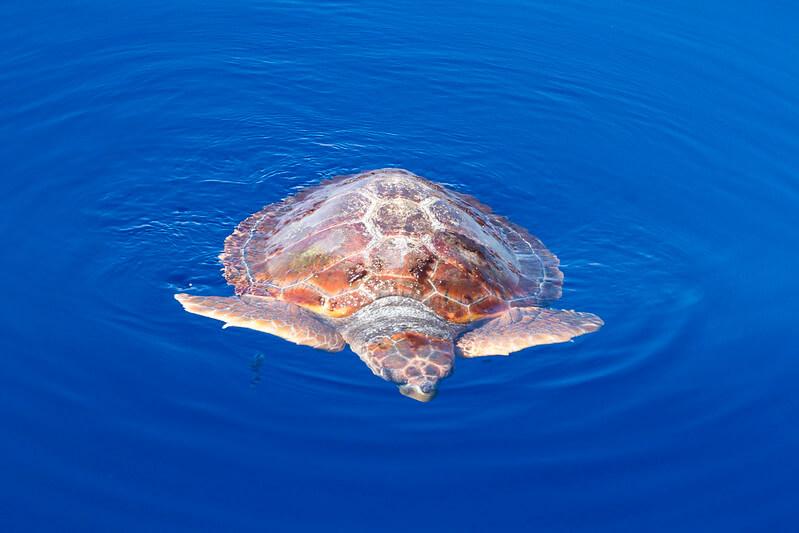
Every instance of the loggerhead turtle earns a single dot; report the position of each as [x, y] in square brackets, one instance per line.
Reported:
[405, 271]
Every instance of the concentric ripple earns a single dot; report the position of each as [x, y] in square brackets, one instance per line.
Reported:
[653, 149]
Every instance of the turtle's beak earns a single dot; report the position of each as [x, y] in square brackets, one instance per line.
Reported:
[424, 392]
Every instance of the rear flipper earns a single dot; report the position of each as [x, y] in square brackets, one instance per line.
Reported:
[269, 315]
[521, 327]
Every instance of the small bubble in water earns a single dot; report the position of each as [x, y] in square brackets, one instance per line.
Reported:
[255, 367]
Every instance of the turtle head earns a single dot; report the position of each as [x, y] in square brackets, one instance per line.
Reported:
[415, 361]
[423, 392]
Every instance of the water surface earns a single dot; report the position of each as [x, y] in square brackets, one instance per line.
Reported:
[653, 149]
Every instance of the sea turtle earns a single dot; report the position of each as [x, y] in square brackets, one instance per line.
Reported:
[404, 270]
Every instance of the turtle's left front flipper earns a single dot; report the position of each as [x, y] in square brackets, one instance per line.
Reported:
[269, 315]
[521, 327]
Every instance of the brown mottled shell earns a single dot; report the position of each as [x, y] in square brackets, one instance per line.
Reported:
[341, 245]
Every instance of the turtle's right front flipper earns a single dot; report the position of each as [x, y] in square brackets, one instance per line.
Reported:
[284, 319]
[522, 327]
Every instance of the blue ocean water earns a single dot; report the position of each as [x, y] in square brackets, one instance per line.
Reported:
[653, 148]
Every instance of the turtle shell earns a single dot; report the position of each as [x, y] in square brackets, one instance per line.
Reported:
[341, 245]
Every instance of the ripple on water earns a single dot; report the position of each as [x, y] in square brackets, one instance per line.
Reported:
[177, 250]
[165, 231]
[652, 148]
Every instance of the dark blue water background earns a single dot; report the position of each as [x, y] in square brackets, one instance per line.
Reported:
[654, 149]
